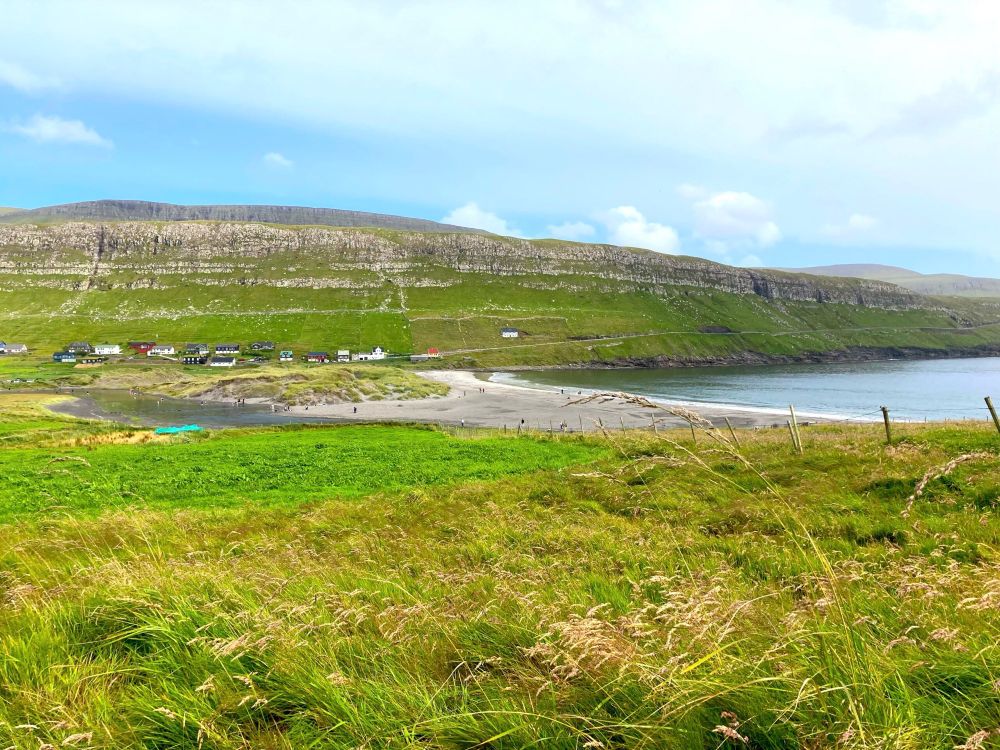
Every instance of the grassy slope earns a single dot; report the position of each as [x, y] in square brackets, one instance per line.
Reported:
[641, 603]
[437, 306]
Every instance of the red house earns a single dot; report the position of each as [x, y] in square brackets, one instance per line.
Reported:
[317, 357]
[142, 347]
[433, 352]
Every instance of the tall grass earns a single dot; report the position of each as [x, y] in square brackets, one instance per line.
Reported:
[674, 595]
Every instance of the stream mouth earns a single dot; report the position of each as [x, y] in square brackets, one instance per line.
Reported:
[156, 411]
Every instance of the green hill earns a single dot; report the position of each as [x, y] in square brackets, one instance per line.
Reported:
[923, 283]
[322, 287]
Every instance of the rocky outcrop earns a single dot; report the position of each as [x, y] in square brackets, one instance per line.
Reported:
[109, 210]
[326, 257]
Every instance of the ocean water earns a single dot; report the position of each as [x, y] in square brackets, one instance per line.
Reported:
[911, 389]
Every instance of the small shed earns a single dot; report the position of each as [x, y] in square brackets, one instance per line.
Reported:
[509, 333]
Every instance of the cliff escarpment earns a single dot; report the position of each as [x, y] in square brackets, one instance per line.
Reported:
[87, 254]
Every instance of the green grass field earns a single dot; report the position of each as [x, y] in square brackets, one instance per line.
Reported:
[404, 587]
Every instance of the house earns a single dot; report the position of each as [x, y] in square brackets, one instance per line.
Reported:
[64, 357]
[198, 349]
[377, 353]
[222, 361]
[433, 353]
[161, 350]
[195, 359]
[317, 357]
[79, 347]
[3, 347]
[509, 333]
[142, 347]
[343, 355]
[262, 346]
[227, 348]
[92, 360]
[106, 349]
[17, 349]
[419, 357]
[286, 355]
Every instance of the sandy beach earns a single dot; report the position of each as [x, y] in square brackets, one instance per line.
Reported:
[479, 402]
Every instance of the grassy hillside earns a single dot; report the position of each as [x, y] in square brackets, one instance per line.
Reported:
[321, 288]
[398, 587]
[923, 283]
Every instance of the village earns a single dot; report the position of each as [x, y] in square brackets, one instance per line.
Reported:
[85, 354]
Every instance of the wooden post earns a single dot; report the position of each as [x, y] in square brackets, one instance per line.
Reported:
[795, 429]
[733, 433]
[652, 418]
[550, 428]
[581, 422]
[620, 417]
[888, 427]
[993, 412]
[518, 429]
[694, 435]
[791, 431]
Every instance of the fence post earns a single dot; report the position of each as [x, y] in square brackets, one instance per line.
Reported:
[622, 419]
[581, 421]
[694, 435]
[652, 418]
[888, 428]
[791, 431]
[733, 433]
[993, 412]
[795, 429]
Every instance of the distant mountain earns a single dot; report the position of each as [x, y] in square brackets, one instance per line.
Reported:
[115, 210]
[941, 284]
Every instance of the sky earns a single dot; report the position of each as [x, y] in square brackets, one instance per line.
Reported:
[783, 133]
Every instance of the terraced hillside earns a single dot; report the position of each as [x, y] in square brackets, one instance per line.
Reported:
[332, 287]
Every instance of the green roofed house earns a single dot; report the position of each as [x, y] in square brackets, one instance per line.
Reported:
[286, 355]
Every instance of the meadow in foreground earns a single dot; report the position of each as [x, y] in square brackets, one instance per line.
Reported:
[667, 595]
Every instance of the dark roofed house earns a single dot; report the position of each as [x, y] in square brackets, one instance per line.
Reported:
[262, 346]
[3, 347]
[79, 347]
[509, 333]
[222, 362]
[317, 357]
[195, 359]
[227, 348]
[196, 348]
[92, 360]
[65, 357]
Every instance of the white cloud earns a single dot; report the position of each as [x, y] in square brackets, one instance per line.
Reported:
[627, 226]
[18, 77]
[734, 217]
[471, 215]
[46, 129]
[576, 231]
[941, 110]
[274, 159]
[855, 224]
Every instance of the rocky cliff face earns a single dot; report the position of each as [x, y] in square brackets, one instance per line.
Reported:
[109, 210]
[80, 254]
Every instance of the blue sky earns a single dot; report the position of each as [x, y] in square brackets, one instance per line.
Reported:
[775, 132]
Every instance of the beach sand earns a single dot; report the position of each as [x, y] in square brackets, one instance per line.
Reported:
[484, 403]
